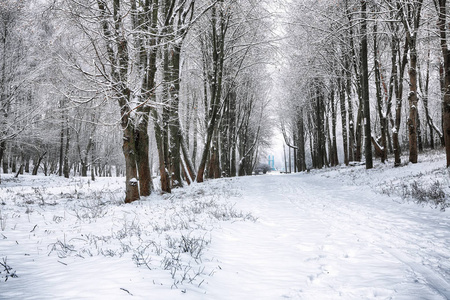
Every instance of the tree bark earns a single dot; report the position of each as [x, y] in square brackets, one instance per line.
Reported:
[38, 163]
[341, 87]
[66, 167]
[334, 152]
[398, 85]
[301, 141]
[189, 166]
[442, 21]
[174, 127]
[381, 151]
[142, 141]
[163, 168]
[410, 17]
[412, 98]
[147, 62]
[365, 86]
[129, 151]
[61, 145]
[320, 131]
[219, 29]
[119, 73]
[2, 151]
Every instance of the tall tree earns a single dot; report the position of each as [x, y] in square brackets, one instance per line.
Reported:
[441, 9]
[410, 16]
[219, 27]
[365, 86]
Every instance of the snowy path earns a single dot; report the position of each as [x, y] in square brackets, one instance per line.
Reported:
[319, 239]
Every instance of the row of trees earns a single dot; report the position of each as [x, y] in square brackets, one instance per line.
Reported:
[352, 66]
[184, 81]
[40, 128]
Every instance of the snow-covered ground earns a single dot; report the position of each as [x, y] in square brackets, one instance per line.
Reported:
[340, 233]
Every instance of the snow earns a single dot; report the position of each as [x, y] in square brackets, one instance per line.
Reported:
[339, 233]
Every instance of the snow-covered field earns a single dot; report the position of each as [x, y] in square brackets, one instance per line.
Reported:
[340, 233]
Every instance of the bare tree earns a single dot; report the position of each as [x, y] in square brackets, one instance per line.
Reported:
[442, 24]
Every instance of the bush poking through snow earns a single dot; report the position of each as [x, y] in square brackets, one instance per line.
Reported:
[193, 245]
[63, 249]
[423, 193]
[8, 271]
[420, 192]
[168, 233]
[226, 212]
[90, 210]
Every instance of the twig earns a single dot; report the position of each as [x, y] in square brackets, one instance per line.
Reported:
[126, 291]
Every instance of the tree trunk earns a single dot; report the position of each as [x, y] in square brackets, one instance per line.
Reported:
[216, 85]
[365, 86]
[189, 166]
[334, 152]
[351, 125]
[398, 83]
[163, 169]
[320, 130]
[301, 142]
[93, 163]
[214, 163]
[233, 158]
[442, 21]
[232, 133]
[84, 168]
[410, 15]
[37, 164]
[295, 152]
[13, 164]
[223, 139]
[129, 151]
[290, 160]
[194, 136]
[20, 171]
[382, 151]
[147, 63]
[117, 51]
[425, 90]
[412, 99]
[328, 144]
[354, 129]
[2, 159]
[27, 163]
[66, 167]
[341, 87]
[174, 127]
[61, 148]
[142, 156]
[358, 131]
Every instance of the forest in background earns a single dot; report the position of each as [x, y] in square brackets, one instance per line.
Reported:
[195, 89]
[368, 79]
[180, 85]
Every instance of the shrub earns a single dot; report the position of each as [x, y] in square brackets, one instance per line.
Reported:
[7, 272]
